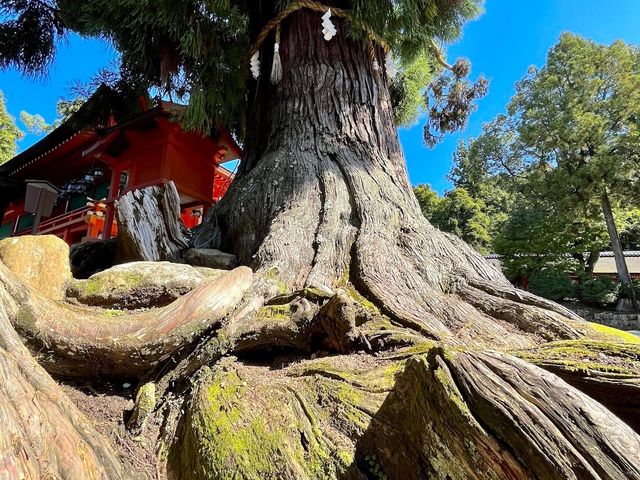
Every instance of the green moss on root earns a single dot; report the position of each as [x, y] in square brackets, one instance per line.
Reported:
[262, 432]
[26, 319]
[614, 334]
[587, 355]
[274, 312]
[98, 285]
[353, 293]
[273, 276]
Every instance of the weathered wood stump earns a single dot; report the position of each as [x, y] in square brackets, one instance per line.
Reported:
[149, 225]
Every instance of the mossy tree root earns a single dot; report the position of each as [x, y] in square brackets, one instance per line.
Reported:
[442, 414]
[608, 372]
[81, 342]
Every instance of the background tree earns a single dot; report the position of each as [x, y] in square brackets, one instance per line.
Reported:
[567, 139]
[37, 125]
[578, 117]
[341, 259]
[428, 199]
[630, 232]
[489, 169]
[457, 213]
[9, 133]
[536, 237]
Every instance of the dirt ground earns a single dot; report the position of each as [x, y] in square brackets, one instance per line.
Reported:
[108, 406]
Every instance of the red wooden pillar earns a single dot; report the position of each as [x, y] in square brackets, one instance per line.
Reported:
[110, 212]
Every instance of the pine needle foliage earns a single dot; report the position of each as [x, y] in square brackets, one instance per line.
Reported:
[197, 50]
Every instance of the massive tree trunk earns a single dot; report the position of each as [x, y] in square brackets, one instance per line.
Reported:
[323, 197]
[346, 268]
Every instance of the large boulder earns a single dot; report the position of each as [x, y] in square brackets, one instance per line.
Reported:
[40, 261]
[211, 258]
[139, 285]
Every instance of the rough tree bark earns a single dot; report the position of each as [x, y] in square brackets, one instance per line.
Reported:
[77, 342]
[43, 435]
[407, 321]
[616, 246]
[149, 225]
[323, 197]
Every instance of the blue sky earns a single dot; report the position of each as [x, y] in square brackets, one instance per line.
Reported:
[501, 44]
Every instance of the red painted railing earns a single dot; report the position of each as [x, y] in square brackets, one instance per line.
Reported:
[62, 222]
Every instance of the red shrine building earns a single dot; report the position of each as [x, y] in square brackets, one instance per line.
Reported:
[84, 170]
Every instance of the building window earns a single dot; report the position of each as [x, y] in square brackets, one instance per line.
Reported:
[6, 229]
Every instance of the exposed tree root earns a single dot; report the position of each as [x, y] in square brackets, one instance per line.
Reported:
[551, 427]
[344, 262]
[42, 434]
[450, 411]
[440, 415]
[606, 371]
[72, 341]
[337, 324]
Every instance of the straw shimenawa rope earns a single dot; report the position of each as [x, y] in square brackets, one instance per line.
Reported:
[341, 13]
[318, 7]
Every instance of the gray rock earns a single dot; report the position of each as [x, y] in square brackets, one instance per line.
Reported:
[211, 258]
[139, 285]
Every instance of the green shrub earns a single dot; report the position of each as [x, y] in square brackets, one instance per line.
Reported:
[599, 291]
[625, 289]
[551, 284]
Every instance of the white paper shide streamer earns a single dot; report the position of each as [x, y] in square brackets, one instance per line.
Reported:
[255, 65]
[390, 65]
[328, 28]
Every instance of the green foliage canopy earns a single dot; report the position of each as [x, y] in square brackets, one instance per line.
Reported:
[599, 291]
[578, 120]
[198, 50]
[552, 284]
[458, 213]
[9, 133]
[37, 125]
[571, 133]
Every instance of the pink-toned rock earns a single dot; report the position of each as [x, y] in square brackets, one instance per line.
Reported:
[40, 261]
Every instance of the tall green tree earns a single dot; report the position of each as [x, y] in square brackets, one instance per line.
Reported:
[479, 168]
[458, 213]
[630, 232]
[532, 226]
[9, 133]
[342, 261]
[578, 120]
[563, 158]
[428, 199]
